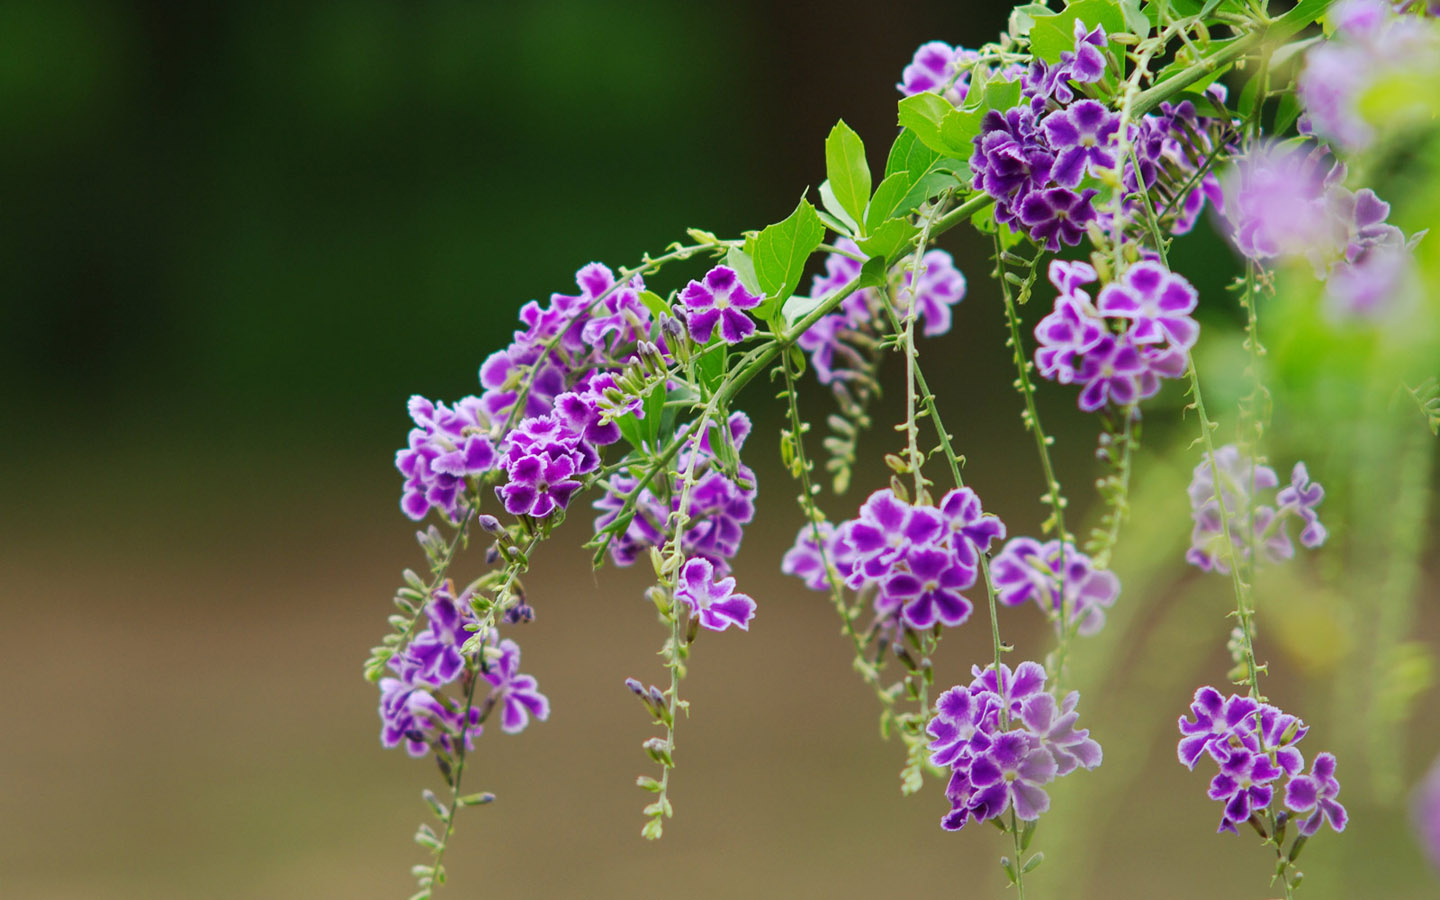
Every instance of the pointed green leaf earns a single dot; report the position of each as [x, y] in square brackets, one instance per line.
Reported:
[847, 170]
[887, 197]
[1052, 35]
[922, 114]
[780, 252]
[835, 216]
[744, 266]
[889, 239]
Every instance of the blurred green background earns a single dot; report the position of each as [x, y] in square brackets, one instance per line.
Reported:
[236, 237]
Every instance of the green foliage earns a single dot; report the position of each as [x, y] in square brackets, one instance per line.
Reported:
[1052, 35]
[847, 171]
[780, 252]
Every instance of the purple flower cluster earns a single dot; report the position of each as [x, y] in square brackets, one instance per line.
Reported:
[569, 406]
[1137, 331]
[916, 560]
[1373, 44]
[1004, 737]
[1034, 158]
[831, 340]
[1253, 746]
[413, 709]
[446, 446]
[1292, 204]
[1061, 580]
[720, 504]
[1426, 814]
[1252, 524]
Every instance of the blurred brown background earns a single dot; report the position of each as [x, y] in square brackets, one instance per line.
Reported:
[235, 237]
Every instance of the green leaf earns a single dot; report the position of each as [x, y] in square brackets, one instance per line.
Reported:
[1022, 18]
[744, 266]
[887, 197]
[1052, 35]
[780, 252]
[654, 409]
[1135, 20]
[629, 425]
[1001, 95]
[959, 129]
[1306, 12]
[847, 170]
[710, 365]
[927, 171]
[922, 114]
[655, 303]
[874, 273]
[888, 239]
[833, 214]
[797, 308]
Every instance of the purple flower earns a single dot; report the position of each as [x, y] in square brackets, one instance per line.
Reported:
[1157, 301]
[1087, 63]
[1011, 158]
[1054, 726]
[518, 694]
[927, 589]
[941, 287]
[933, 69]
[1011, 771]
[1084, 135]
[715, 602]
[447, 446]
[1243, 785]
[806, 560]
[971, 529]
[618, 319]
[1301, 498]
[962, 725]
[719, 298]
[1111, 372]
[1249, 521]
[1027, 570]
[1317, 792]
[885, 528]
[1012, 688]
[1425, 812]
[1289, 204]
[1220, 724]
[433, 657]
[1057, 216]
[413, 715]
[539, 485]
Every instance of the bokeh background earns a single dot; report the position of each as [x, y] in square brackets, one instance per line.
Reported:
[235, 237]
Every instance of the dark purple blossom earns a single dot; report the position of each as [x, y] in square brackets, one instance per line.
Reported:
[1243, 785]
[447, 446]
[1057, 216]
[539, 485]
[1111, 373]
[1010, 772]
[1011, 159]
[1012, 688]
[1086, 64]
[719, 299]
[886, 527]
[1084, 136]
[413, 715]
[715, 603]
[926, 589]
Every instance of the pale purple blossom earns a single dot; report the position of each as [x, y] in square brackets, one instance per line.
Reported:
[518, 695]
[1315, 794]
[1071, 592]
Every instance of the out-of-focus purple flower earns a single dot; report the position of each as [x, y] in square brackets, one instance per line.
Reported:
[1300, 498]
[519, 695]
[1028, 570]
[1288, 203]
[716, 603]
[934, 69]
[1084, 135]
[433, 657]
[1315, 793]
[1372, 45]
[412, 714]
[1249, 521]
[941, 287]
[1379, 286]
[1157, 302]
[719, 299]
[1425, 812]
[1243, 785]
[806, 560]
[1086, 64]
[1057, 216]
